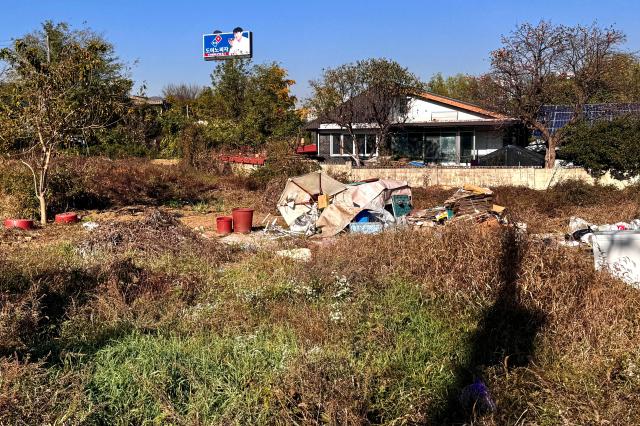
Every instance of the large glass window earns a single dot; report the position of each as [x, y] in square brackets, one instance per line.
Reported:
[466, 147]
[431, 148]
[361, 143]
[448, 147]
[347, 145]
[336, 144]
[323, 142]
[371, 144]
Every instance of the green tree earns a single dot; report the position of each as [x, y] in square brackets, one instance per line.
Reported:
[65, 85]
[605, 146]
[248, 105]
[464, 87]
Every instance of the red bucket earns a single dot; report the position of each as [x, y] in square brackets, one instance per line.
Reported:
[25, 224]
[242, 220]
[69, 217]
[224, 225]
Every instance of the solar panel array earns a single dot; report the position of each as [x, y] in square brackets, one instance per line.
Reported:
[558, 116]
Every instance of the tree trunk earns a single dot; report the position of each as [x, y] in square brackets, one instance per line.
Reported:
[550, 155]
[356, 151]
[43, 209]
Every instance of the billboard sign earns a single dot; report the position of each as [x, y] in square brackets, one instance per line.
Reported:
[236, 44]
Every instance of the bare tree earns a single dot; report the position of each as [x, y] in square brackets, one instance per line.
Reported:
[364, 94]
[335, 100]
[535, 61]
[64, 85]
[182, 92]
[386, 100]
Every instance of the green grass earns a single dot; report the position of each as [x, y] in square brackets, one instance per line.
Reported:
[210, 379]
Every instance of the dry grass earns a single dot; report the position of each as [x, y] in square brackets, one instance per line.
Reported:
[144, 320]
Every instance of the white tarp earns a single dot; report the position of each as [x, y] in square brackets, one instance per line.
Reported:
[619, 252]
[297, 197]
[300, 193]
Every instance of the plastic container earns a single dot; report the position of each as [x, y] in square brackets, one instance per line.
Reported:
[68, 217]
[362, 217]
[366, 227]
[224, 225]
[25, 224]
[242, 220]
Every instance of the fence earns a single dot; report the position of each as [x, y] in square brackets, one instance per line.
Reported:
[534, 178]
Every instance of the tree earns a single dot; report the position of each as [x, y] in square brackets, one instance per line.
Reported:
[65, 85]
[248, 105]
[388, 90]
[373, 91]
[336, 99]
[464, 87]
[181, 92]
[537, 63]
[605, 146]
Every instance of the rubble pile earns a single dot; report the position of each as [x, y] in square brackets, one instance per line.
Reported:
[470, 202]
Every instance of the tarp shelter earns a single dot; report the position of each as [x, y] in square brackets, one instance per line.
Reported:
[302, 191]
[346, 201]
[512, 156]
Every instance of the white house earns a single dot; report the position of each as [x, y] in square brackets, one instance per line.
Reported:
[436, 130]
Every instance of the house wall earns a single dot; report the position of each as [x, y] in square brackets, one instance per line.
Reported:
[421, 110]
[533, 178]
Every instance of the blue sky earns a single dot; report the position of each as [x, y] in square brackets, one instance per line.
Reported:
[164, 37]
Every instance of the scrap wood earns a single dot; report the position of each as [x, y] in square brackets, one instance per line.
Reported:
[477, 189]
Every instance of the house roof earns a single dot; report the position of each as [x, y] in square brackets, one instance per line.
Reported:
[493, 117]
[460, 105]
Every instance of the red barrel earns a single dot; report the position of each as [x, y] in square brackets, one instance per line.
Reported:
[242, 220]
[25, 224]
[68, 217]
[224, 225]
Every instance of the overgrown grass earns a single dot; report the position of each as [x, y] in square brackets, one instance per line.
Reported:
[150, 323]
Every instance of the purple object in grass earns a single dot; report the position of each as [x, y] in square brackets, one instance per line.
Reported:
[476, 397]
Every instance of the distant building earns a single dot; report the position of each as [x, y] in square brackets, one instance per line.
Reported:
[154, 101]
[437, 130]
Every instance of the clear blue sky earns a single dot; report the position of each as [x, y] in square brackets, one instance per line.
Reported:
[304, 36]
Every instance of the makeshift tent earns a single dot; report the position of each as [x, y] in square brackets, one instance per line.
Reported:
[300, 194]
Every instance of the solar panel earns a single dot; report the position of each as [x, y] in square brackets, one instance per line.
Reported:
[557, 116]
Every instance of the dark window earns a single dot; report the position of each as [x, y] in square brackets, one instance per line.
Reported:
[371, 144]
[323, 142]
[336, 144]
[466, 147]
[347, 145]
[362, 145]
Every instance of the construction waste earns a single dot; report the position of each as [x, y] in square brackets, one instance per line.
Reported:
[316, 204]
[470, 203]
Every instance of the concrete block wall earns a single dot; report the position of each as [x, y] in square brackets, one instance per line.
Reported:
[457, 176]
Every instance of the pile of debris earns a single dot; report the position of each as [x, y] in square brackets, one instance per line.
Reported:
[470, 203]
[315, 203]
[158, 232]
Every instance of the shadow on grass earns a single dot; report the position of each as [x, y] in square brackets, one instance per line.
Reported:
[505, 336]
